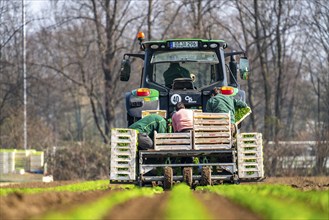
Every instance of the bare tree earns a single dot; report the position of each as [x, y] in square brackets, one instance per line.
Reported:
[108, 46]
[10, 73]
[318, 67]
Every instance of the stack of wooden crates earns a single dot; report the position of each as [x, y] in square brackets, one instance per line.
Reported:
[250, 155]
[212, 131]
[123, 154]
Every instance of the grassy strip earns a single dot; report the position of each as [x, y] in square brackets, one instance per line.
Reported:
[183, 205]
[99, 208]
[83, 186]
[275, 201]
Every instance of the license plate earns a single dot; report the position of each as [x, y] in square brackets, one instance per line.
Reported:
[183, 44]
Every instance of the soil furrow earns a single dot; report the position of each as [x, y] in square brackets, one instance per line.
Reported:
[222, 208]
[141, 208]
[24, 206]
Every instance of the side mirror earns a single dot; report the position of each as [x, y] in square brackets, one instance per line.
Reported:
[125, 70]
[244, 68]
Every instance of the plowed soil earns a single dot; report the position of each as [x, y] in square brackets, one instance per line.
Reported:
[23, 206]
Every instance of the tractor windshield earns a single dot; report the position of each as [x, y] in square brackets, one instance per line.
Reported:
[197, 65]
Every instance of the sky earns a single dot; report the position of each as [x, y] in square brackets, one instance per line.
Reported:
[36, 5]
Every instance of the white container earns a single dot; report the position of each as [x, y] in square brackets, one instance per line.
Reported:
[123, 154]
[250, 155]
[4, 163]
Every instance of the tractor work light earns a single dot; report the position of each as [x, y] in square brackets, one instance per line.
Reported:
[140, 36]
[213, 45]
[154, 46]
[143, 92]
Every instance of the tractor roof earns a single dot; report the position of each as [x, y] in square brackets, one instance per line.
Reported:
[201, 43]
[184, 39]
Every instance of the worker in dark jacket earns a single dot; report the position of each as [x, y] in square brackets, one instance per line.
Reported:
[146, 127]
[222, 101]
[175, 71]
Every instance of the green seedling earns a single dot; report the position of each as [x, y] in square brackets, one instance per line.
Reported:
[277, 201]
[183, 205]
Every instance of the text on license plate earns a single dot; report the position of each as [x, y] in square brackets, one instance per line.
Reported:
[184, 44]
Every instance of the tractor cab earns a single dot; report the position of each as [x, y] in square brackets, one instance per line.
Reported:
[180, 70]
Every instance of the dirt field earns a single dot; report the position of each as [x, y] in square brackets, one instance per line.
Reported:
[22, 206]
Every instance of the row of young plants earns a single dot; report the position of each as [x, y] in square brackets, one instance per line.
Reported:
[276, 201]
[76, 187]
[94, 210]
[181, 203]
[269, 201]
[99, 208]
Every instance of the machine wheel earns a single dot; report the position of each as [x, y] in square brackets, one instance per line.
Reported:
[235, 179]
[168, 178]
[188, 173]
[205, 176]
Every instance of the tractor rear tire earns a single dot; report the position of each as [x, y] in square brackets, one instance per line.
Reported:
[188, 174]
[168, 178]
[205, 176]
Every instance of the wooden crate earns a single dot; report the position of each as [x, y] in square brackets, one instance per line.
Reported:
[211, 131]
[211, 121]
[209, 115]
[173, 141]
[162, 113]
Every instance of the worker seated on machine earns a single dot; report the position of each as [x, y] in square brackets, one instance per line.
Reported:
[173, 72]
[146, 127]
[223, 101]
[182, 119]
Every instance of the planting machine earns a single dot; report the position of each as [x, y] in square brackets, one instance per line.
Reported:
[204, 156]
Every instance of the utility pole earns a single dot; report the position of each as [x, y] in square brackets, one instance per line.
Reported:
[24, 75]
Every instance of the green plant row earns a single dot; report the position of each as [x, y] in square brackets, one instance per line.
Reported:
[183, 205]
[315, 199]
[276, 201]
[99, 208]
[83, 186]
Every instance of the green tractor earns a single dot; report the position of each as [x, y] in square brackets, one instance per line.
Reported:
[216, 156]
